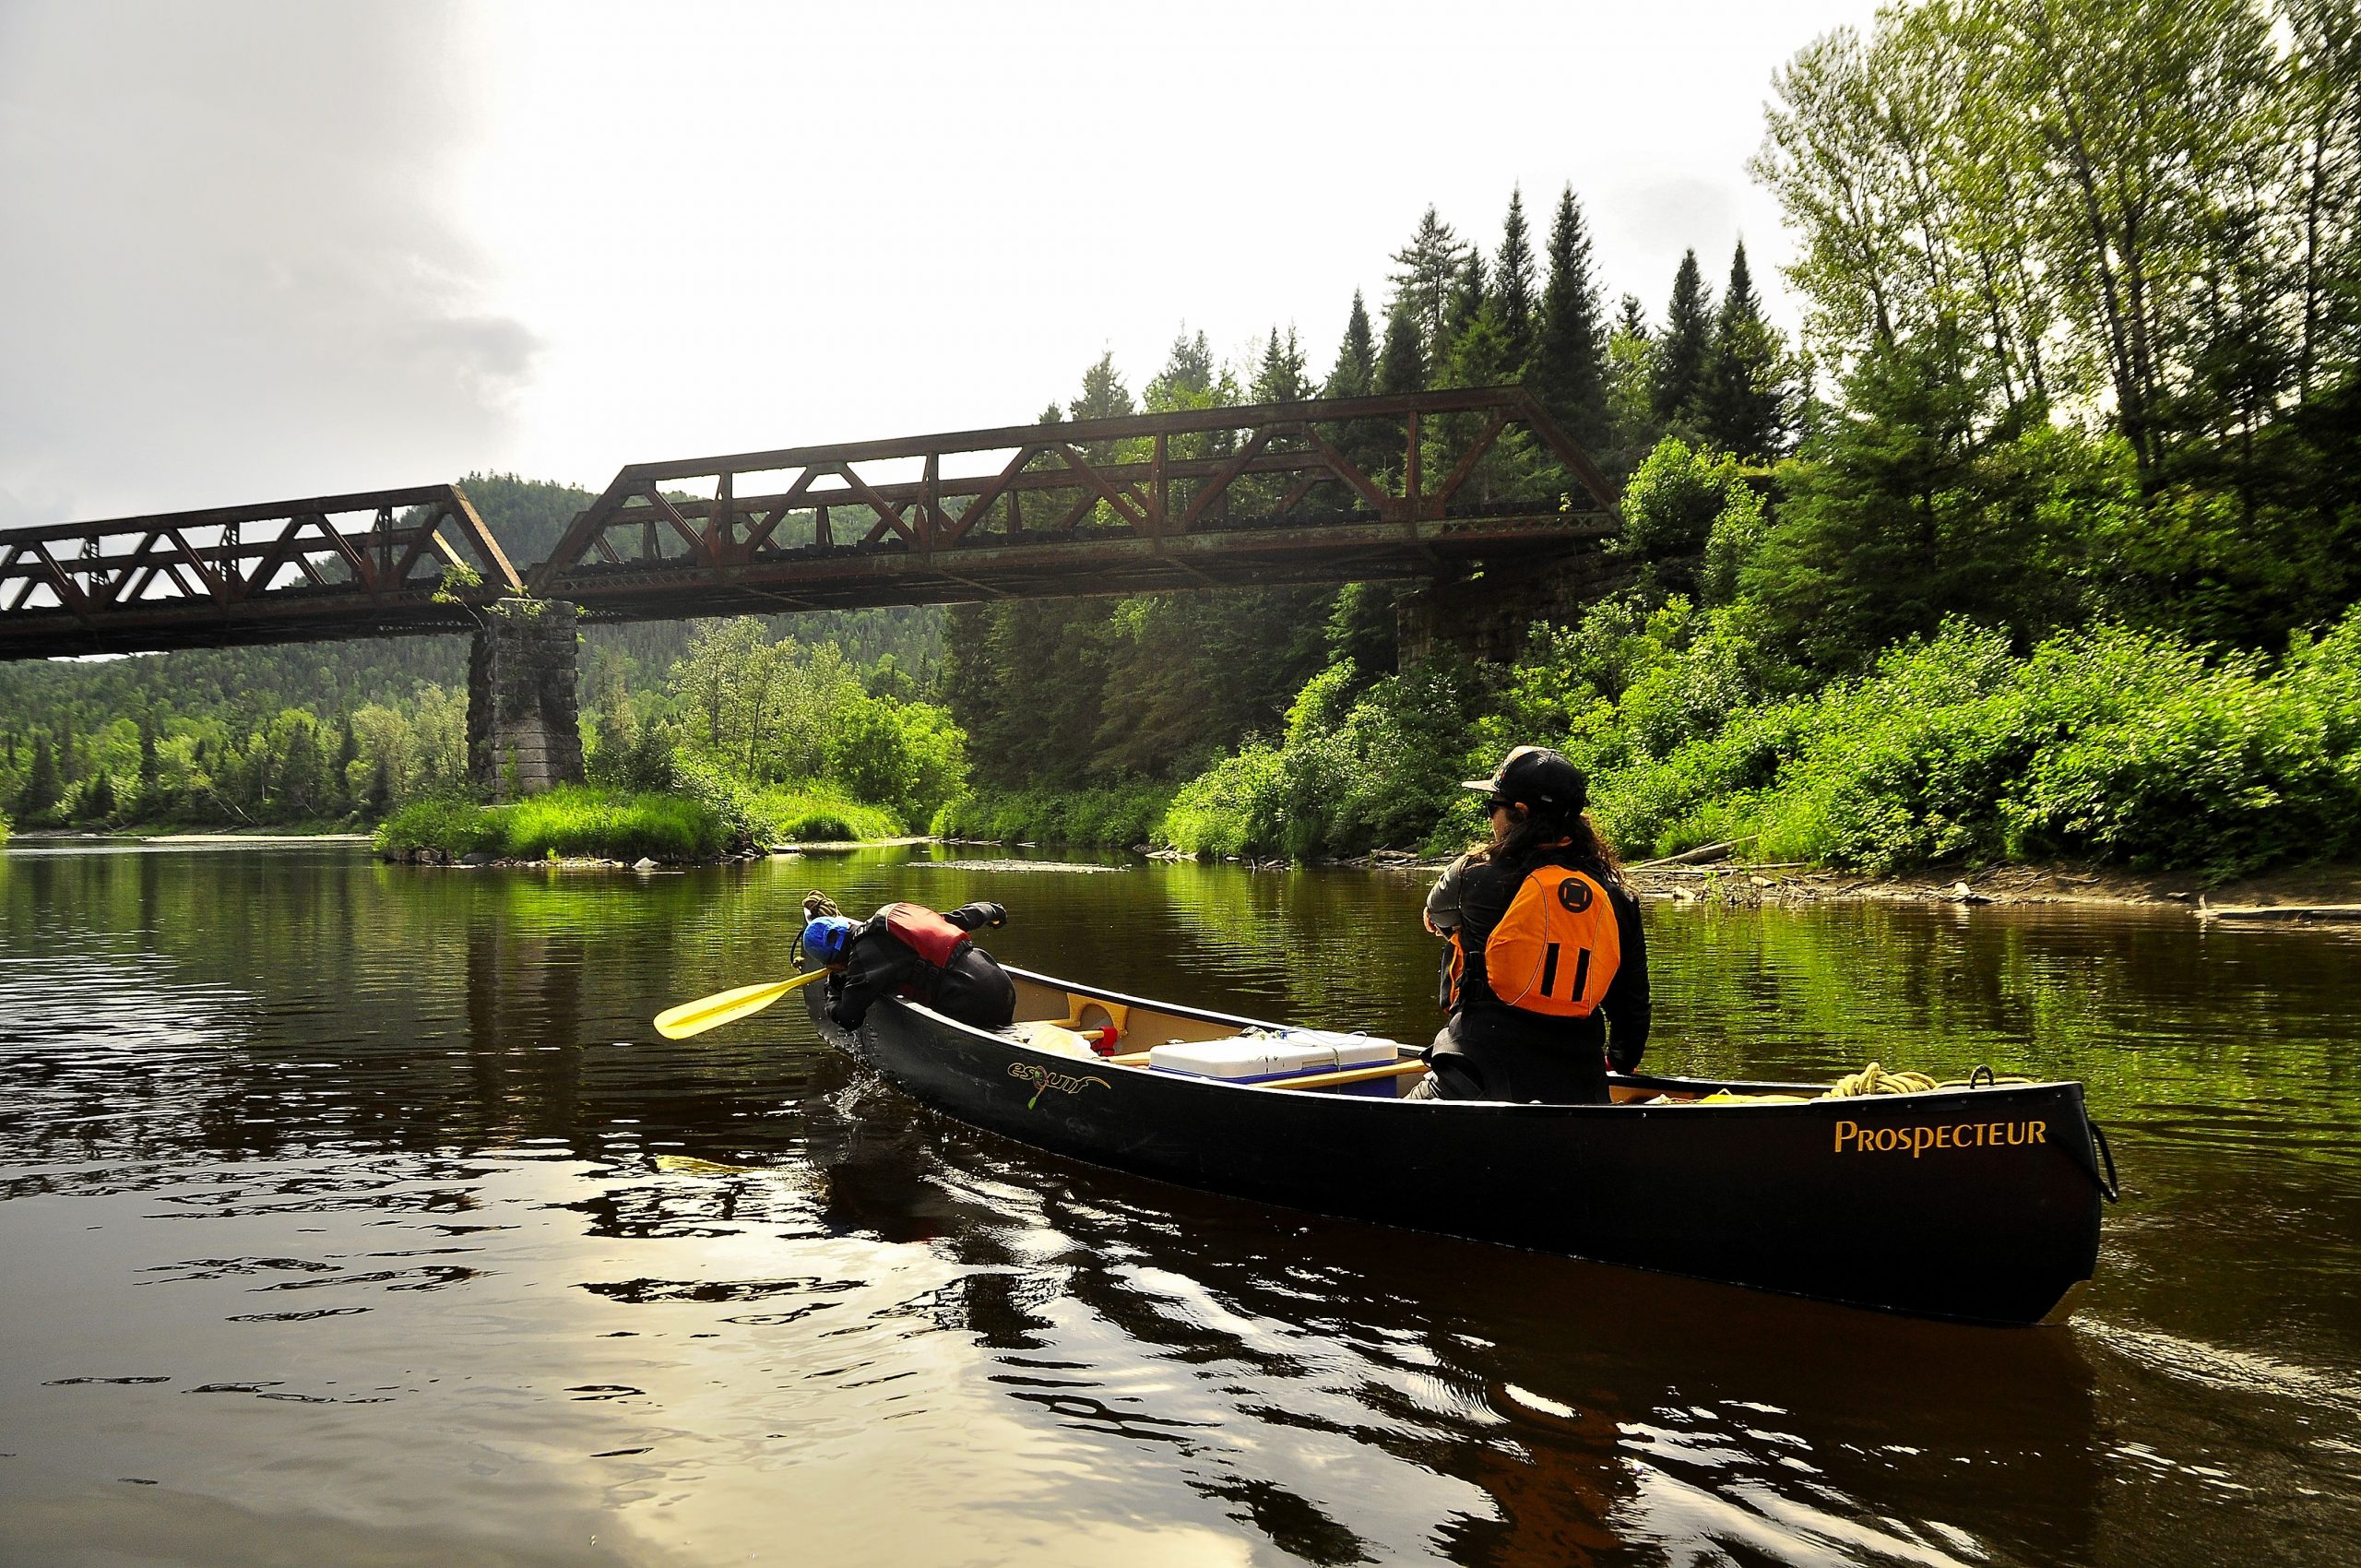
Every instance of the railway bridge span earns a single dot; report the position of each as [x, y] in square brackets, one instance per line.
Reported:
[1474, 494]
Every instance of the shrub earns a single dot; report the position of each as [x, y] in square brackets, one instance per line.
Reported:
[577, 820]
[909, 756]
[1112, 816]
[583, 820]
[819, 813]
[452, 823]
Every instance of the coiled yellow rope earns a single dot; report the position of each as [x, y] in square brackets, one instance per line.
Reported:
[1874, 1079]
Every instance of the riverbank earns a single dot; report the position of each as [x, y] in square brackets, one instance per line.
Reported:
[2326, 886]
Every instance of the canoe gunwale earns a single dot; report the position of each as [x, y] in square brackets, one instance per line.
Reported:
[1818, 1096]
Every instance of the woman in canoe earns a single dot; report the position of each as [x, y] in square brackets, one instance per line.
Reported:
[1546, 950]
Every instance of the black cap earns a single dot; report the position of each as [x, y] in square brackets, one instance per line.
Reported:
[1537, 778]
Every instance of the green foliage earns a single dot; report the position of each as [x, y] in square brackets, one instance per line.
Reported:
[1568, 365]
[819, 812]
[1898, 517]
[1681, 357]
[1743, 397]
[1677, 500]
[570, 821]
[2118, 744]
[452, 824]
[1121, 815]
[908, 758]
[1351, 773]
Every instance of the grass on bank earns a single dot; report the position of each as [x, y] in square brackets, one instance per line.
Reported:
[574, 821]
[817, 813]
[1113, 816]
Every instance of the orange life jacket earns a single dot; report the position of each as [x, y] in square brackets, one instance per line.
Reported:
[1554, 951]
[924, 933]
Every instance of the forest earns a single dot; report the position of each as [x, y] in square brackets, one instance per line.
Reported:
[2043, 537]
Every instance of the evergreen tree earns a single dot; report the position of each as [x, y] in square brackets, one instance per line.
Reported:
[299, 775]
[1187, 376]
[1356, 372]
[1467, 297]
[1687, 343]
[1631, 391]
[381, 791]
[1403, 366]
[339, 785]
[149, 801]
[1104, 395]
[1513, 281]
[98, 800]
[1743, 405]
[42, 785]
[1570, 358]
[1433, 268]
[1281, 377]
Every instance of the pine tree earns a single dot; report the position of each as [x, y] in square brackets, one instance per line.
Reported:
[1513, 281]
[1569, 350]
[1467, 297]
[149, 801]
[1188, 375]
[339, 784]
[1356, 372]
[299, 775]
[1281, 377]
[42, 786]
[381, 791]
[1403, 366]
[1631, 391]
[1687, 343]
[1743, 403]
[1433, 268]
[98, 800]
[1104, 395]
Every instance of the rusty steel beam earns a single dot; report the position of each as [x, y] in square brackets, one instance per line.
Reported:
[1300, 441]
[1045, 564]
[166, 588]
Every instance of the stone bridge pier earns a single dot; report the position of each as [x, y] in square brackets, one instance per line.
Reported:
[524, 728]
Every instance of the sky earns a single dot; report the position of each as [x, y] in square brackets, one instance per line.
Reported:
[254, 250]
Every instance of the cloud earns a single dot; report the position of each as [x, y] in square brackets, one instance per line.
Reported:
[231, 271]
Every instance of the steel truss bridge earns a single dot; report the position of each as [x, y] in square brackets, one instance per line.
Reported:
[1417, 485]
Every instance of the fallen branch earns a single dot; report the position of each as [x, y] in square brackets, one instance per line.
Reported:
[1703, 854]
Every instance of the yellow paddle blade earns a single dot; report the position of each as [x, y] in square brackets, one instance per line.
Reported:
[726, 1006]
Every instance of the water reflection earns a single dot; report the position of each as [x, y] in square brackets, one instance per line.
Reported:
[387, 1166]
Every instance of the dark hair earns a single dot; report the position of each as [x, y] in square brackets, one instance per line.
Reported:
[1530, 833]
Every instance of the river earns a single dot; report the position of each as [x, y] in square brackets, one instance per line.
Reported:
[354, 1214]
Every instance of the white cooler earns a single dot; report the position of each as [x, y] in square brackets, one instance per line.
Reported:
[1266, 1057]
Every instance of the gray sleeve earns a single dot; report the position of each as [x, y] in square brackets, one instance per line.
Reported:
[1443, 901]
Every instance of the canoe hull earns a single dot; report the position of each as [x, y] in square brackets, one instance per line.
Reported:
[1979, 1204]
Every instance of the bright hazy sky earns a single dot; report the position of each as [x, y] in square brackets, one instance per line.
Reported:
[260, 249]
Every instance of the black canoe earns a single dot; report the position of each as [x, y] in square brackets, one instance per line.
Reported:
[1978, 1203]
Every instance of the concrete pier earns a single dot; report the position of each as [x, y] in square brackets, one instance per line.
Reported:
[524, 729]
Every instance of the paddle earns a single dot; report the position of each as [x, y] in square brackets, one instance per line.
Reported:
[726, 1006]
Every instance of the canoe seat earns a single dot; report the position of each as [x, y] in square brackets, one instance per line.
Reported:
[1056, 1038]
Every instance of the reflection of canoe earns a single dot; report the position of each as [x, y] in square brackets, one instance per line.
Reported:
[1979, 1203]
